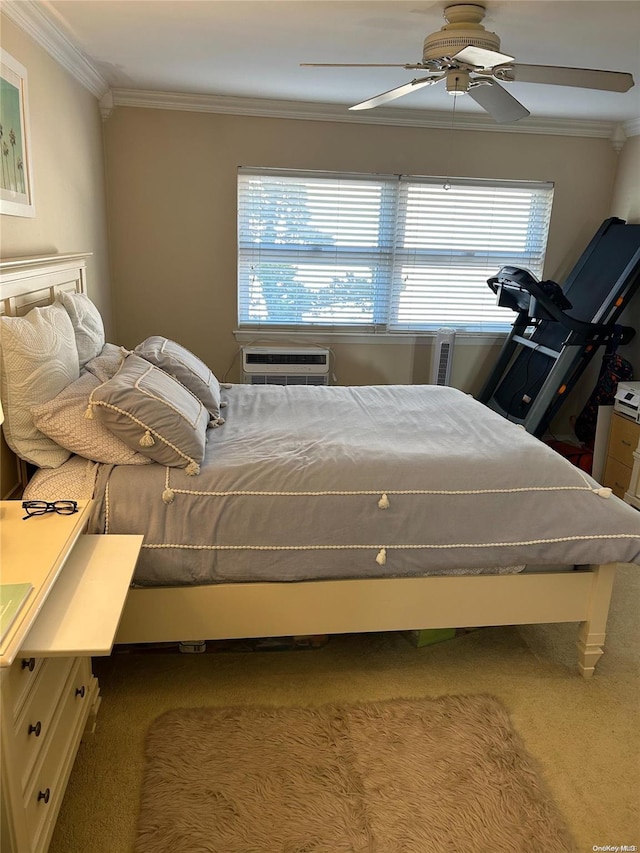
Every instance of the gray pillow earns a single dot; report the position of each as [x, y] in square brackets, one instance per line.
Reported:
[63, 420]
[184, 366]
[87, 324]
[153, 414]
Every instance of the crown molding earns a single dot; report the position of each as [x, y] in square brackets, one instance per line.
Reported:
[30, 17]
[332, 112]
[632, 128]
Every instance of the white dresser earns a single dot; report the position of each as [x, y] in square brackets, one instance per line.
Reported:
[49, 697]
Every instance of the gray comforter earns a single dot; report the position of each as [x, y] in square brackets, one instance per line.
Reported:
[306, 482]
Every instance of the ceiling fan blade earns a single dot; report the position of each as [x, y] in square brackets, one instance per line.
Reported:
[392, 94]
[585, 78]
[481, 58]
[358, 65]
[495, 99]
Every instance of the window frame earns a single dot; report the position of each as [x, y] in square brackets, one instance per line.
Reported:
[382, 319]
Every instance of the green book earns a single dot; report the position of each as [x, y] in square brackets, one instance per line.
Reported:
[12, 599]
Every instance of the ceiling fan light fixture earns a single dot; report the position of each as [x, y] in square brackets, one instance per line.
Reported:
[458, 83]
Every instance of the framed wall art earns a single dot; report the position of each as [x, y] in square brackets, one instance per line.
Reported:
[16, 175]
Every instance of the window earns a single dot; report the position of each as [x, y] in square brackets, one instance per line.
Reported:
[382, 252]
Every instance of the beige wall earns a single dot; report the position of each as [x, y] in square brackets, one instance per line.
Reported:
[626, 196]
[68, 169]
[68, 172]
[172, 216]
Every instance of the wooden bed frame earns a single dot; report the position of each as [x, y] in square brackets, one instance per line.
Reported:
[226, 611]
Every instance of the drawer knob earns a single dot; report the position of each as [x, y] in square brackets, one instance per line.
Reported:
[80, 691]
[626, 443]
[36, 730]
[44, 795]
[29, 663]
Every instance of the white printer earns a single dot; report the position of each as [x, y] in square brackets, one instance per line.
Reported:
[627, 400]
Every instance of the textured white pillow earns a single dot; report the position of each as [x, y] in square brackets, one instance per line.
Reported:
[87, 325]
[63, 419]
[39, 358]
[108, 363]
[154, 414]
[74, 481]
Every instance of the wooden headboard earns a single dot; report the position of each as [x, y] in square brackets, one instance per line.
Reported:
[26, 283]
[36, 279]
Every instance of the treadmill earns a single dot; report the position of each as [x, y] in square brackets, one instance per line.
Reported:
[558, 330]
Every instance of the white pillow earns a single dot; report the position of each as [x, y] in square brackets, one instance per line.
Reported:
[87, 325]
[63, 419]
[39, 358]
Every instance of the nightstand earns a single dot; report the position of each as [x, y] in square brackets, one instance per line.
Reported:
[624, 444]
[49, 696]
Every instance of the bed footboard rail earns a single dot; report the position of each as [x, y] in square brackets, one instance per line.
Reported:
[249, 610]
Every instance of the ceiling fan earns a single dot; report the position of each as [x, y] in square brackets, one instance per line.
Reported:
[467, 57]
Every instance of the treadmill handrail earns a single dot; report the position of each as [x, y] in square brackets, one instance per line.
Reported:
[527, 282]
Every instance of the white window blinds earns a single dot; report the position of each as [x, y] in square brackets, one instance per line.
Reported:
[368, 251]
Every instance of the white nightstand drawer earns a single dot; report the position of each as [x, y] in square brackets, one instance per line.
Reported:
[22, 676]
[34, 723]
[44, 795]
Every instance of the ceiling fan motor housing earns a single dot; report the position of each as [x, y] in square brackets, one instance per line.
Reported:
[463, 28]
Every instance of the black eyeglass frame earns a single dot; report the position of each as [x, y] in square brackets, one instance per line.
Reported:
[35, 508]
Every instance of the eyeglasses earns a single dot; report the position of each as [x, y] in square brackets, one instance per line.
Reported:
[43, 507]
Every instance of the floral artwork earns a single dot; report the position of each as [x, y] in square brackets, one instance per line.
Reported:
[16, 197]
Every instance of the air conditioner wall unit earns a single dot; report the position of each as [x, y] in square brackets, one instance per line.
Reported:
[285, 365]
[443, 357]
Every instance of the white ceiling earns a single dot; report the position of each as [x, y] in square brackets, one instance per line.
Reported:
[253, 48]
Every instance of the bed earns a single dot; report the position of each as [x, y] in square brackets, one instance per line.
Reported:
[272, 511]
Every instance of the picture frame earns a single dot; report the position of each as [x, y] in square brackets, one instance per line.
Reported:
[16, 172]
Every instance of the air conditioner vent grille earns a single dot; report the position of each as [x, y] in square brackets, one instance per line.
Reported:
[285, 365]
[300, 358]
[284, 379]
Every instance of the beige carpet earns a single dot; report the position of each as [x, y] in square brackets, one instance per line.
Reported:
[396, 776]
[585, 734]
